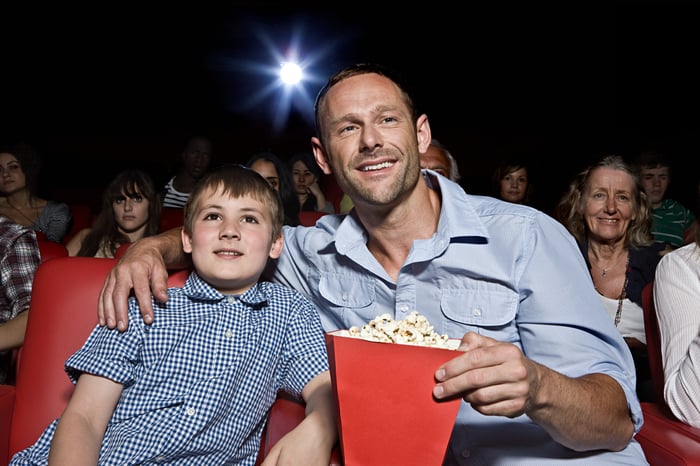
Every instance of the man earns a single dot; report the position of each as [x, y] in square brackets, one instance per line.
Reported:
[19, 259]
[194, 163]
[671, 220]
[544, 373]
[438, 159]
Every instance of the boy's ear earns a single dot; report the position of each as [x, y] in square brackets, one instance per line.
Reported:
[186, 241]
[276, 247]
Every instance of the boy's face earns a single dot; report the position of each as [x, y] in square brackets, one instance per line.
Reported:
[655, 182]
[231, 241]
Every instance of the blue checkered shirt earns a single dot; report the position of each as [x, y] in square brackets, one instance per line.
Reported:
[198, 382]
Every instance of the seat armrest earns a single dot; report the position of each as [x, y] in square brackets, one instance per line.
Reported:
[667, 441]
[7, 405]
[286, 413]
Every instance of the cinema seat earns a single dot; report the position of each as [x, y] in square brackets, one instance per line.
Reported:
[62, 313]
[666, 441]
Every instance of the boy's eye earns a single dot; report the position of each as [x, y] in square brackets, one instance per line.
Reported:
[211, 217]
[249, 219]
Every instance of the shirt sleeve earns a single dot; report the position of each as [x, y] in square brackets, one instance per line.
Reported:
[21, 261]
[55, 220]
[676, 298]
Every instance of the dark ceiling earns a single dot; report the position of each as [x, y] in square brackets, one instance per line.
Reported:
[110, 85]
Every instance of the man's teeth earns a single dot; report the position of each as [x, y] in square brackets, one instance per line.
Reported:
[379, 166]
[229, 253]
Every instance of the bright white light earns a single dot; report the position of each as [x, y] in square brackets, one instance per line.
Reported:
[290, 73]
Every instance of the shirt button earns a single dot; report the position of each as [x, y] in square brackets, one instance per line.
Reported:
[231, 299]
[345, 297]
[403, 308]
[477, 312]
[229, 334]
[190, 411]
[160, 459]
[466, 454]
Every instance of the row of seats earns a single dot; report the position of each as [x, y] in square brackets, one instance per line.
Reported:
[61, 316]
[170, 217]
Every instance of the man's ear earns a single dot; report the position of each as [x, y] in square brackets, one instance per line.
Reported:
[423, 133]
[276, 247]
[320, 156]
[186, 241]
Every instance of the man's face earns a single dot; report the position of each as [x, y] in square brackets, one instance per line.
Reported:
[371, 142]
[655, 182]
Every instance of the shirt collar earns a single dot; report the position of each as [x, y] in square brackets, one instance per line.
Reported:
[458, 222]
[199, 290]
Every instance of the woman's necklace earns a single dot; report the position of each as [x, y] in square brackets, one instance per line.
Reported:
[29, 219]
[612, 267]
[623, 294]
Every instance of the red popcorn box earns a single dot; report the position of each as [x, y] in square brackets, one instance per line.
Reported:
[386, 410]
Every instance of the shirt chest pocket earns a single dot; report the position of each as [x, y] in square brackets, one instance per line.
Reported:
[489, 310]
[348, 299]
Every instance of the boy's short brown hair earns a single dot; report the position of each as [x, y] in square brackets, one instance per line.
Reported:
[237, 181]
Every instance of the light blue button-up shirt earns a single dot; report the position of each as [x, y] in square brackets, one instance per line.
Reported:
[502, 270]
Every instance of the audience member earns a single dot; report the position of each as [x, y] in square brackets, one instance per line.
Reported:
[677, 302]
[545, 376]
[608, 213]
[670, 218]
[438, 159]
[274, 170]
[194, 163]
[305, 176]
[512, 183]
[19, 175]
[130, 210]
[137, 393]
[19, 259]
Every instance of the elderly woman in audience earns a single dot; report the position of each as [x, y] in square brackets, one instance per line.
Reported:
[130, 210]
[677, 302]
[19, 174]
[608, 213]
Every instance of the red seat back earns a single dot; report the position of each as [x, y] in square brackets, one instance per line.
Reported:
[82, 218]
[62, 313]
[308, 218]
[171, 217]
[51, 249]
[651, 328]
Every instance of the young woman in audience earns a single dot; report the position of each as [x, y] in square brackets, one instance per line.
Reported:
[677, 302]
[306, 176]
[274, 170]
[19, 174]
[130, 210]
[608, 213]
[511, 181]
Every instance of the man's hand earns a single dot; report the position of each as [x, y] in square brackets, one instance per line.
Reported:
[142, 269]
[583, 413]
[494, 377]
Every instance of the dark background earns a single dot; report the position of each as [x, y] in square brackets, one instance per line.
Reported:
[101, 86]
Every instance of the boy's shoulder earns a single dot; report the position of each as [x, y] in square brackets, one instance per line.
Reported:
[278, 290]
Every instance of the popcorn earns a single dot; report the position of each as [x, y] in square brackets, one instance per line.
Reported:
[413, 330]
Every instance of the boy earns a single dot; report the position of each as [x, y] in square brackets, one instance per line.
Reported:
[196, 386]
